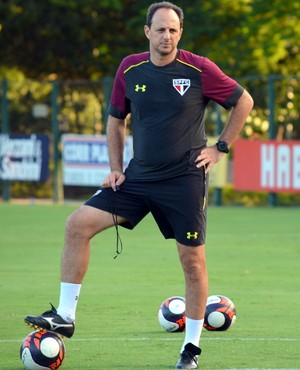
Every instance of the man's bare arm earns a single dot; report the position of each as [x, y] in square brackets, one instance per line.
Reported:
[116, 134]
[211, 155]
[237, 118]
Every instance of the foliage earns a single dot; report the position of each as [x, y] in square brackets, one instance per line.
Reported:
[68, 39]
[60, 39]
[80, 106]
[22, 95]
[231, 197]
[274, 36]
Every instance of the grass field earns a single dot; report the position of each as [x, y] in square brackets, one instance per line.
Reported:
[253, 257]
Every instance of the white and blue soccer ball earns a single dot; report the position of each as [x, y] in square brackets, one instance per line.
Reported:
[171, 314]
[220, 313]
[42, 350]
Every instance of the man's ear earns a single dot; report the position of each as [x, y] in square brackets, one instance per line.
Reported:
[147, 31]
[181, 30]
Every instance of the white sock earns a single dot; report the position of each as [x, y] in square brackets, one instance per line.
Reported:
[193, 330]
[69, 294]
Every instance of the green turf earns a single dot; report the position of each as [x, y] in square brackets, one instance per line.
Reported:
[253, 257]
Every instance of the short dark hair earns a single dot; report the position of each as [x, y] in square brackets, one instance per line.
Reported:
[165, 5]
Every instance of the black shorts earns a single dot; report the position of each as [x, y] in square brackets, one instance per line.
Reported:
[178, 205]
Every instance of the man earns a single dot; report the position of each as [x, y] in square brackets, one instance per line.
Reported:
[166, 91]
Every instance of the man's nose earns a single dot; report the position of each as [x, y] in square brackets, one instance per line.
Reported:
[167, 34]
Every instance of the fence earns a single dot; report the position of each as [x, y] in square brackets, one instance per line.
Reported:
[80, 107]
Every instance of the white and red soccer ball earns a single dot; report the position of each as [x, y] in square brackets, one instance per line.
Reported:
[171, 314]
[42, 350]
[220, 313]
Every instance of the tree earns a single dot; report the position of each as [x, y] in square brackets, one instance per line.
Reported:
[72, 39]
[62, 38]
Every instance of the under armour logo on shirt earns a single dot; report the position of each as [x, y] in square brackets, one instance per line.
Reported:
[140, 88]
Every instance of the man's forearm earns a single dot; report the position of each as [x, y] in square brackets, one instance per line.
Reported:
[237, 119]
[115, 141]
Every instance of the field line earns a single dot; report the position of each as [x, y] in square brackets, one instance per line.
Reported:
[99, 339]
[180, 339]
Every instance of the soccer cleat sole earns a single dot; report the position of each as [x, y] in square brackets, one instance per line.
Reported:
[36, 327]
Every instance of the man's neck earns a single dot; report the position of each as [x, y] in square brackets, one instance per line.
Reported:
[162, 60]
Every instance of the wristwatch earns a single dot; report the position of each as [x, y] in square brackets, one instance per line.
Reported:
[222, 146]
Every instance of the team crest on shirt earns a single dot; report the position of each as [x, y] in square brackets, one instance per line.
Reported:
[181, 85]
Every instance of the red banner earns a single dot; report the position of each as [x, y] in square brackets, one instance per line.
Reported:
[272, 166]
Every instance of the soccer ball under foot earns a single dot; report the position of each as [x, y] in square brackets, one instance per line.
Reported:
[42, 350]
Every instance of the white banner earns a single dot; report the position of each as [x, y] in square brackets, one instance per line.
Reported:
[85, 159]
[24, 157]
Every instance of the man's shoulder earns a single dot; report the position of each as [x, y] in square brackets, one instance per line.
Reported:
[194, 60]
[134, 60]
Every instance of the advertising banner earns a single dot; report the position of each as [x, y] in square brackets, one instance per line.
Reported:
[24, 157]
[272, 166]
[85, 159]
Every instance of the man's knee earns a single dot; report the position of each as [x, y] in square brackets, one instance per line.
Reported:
[74, 224]
[88, 221]
[192, 259]
[82, 224]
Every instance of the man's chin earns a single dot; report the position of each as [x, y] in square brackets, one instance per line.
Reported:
[165, 51]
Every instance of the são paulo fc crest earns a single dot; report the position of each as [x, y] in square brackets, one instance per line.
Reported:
[181, 85]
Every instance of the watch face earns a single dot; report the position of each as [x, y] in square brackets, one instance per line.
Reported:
[222, 146]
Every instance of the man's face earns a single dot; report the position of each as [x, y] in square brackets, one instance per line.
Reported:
[164, 33]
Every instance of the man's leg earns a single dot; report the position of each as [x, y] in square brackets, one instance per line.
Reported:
[81, 226]
[193, 263]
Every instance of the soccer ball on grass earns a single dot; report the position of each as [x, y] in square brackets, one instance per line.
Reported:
[171, 314]
[220, 313]
[42, 350]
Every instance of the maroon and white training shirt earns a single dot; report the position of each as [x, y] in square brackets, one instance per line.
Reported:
[167, 106]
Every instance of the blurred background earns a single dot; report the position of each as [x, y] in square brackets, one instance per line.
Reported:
[57, 63]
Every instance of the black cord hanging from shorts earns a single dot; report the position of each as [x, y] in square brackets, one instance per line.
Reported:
[119, 243]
